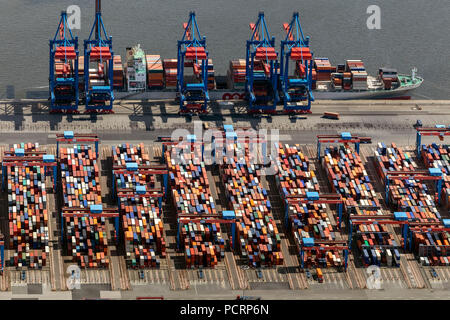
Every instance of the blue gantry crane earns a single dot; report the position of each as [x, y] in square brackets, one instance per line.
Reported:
[99, 52]
[261, 74]
[193, 95]
[296, 90]
[344, 137]
[63, 78]
[440, 131]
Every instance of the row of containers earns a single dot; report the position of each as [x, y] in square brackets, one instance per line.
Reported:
[82, 216]
[434, 245]
[140, 194]
[366, 221]
[27, 204]
[252, 231]
[316, 236]
[199, 233]
[416, 193]
[84, 219]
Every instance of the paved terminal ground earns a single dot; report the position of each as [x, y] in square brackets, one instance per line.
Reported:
[138, 120]
[143, 121]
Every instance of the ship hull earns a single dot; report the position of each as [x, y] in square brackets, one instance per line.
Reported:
[240, 95]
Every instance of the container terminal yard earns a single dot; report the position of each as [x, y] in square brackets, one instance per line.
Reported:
[108, 199]
[108, 191]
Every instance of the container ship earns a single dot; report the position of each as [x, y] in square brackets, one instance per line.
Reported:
[329, 83]
[268, 77]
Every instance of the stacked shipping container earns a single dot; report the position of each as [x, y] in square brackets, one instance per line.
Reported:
[389, 77]
[211, 80]
[136, 69]
[410, 196]
[155, 72]
[257, 232]
[323, 68]
[359, 74]
[433, 247]
[27, 211]
[307, 220]
[236, 74]
[413, 197]
[348, 177]
[202, 242]
[85, 236]
[437, 156]
[118, 72]
[170, 73]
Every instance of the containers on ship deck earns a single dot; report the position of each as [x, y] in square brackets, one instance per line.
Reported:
[201, 242]
[118, 77]
[257, 233]
[141, 216]
[389, 77]
[170, 73]
[143, 231]
[27, 212]
[86, 237]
